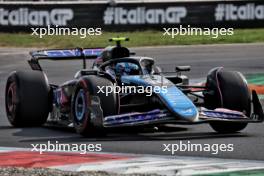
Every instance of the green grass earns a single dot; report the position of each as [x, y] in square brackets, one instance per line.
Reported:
[239, 173]
[257, 78]
[138, 38]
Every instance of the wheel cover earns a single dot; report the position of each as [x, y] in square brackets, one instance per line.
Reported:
[11, 98]
[80, 105]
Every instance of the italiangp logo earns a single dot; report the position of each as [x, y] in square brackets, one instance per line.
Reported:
[230, 12]
[141, 15]
[25, 17]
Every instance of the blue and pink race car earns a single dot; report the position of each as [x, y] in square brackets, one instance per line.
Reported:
[123, 90]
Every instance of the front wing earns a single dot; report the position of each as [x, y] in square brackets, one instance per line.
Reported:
[158, 116]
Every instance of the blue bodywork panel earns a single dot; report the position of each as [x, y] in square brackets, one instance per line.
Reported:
[176, 101]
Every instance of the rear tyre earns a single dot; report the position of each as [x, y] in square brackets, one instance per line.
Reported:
[81, 102]
[27, 98]
[227, 89]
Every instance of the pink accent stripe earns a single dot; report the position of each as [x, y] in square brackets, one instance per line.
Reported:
[218, 86]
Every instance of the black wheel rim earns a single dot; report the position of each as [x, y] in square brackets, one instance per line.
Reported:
[11, 98]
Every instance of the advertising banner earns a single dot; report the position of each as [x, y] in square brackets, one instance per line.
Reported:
[132, 16]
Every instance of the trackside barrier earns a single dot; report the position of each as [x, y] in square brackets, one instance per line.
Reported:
[131, 15]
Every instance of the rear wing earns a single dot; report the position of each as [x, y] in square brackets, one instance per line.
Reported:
[63, 54]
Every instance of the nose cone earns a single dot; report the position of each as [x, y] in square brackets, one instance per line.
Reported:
[173, 98]
[179, 104]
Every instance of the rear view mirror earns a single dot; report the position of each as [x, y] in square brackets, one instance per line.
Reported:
[183, 68]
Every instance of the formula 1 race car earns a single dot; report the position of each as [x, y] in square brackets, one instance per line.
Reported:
[123, 90]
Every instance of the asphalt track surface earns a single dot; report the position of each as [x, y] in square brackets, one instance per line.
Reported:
[248, 144]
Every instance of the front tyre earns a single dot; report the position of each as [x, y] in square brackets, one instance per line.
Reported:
[227, 89]
[81, 104]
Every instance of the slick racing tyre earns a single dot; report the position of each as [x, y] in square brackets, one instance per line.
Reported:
[27, 98]
[81, 104]
[227, 89]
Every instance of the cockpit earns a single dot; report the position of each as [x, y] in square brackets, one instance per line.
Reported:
[129, 66]
[123, 69]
